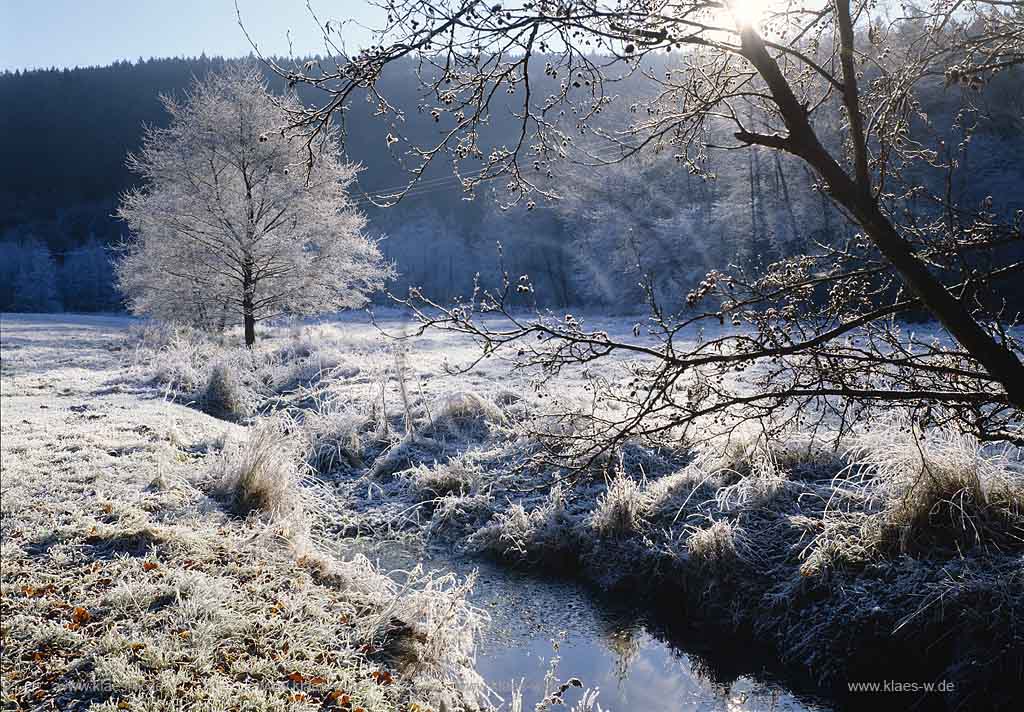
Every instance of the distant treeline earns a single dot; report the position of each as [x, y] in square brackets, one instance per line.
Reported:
[64, 135]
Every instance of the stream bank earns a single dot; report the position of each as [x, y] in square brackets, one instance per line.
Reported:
[834, 553]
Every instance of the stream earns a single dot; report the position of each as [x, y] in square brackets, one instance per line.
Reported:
[608, 644]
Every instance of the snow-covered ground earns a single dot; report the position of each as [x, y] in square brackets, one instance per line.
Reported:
[129, 582]
[342, 438]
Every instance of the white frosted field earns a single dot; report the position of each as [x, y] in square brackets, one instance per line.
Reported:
[129, 583]
[182, 510]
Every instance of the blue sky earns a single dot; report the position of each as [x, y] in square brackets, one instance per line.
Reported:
[66, 33]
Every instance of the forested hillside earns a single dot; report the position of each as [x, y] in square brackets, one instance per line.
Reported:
[64, 135]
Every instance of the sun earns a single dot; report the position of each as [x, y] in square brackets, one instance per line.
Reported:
[748, 12]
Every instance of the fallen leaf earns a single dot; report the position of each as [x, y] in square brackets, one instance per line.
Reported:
[297, 678]
[80, 615]
[150, 565]
[339, 698]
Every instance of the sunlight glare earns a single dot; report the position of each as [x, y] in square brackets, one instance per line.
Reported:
[748, 12]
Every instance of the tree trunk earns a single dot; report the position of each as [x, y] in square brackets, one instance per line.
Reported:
[248, 310]
[752, 242]
[1000, 362]
[855, 195]
[793, 225]
[250, 328]
[222, 324]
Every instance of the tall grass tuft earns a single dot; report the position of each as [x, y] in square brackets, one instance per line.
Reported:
[618, 510]
[543, 534]
[943, 491]
[718, 545]
[464, 414]
[459, 476]
[225, 395]
[260, 474]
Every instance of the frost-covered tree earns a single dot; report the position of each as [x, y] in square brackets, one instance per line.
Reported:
[236, 223]
[534, 243]
[28, 277]
[637, 225]
[10, 256]
[87, 280]
[427, 248]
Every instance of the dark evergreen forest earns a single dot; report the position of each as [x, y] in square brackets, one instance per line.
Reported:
[64, 135]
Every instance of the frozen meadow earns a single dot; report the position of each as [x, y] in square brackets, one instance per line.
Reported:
[132, 580]
[180, 509]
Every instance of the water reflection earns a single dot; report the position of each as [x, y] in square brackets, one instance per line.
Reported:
[634, 670]
[606, 644]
